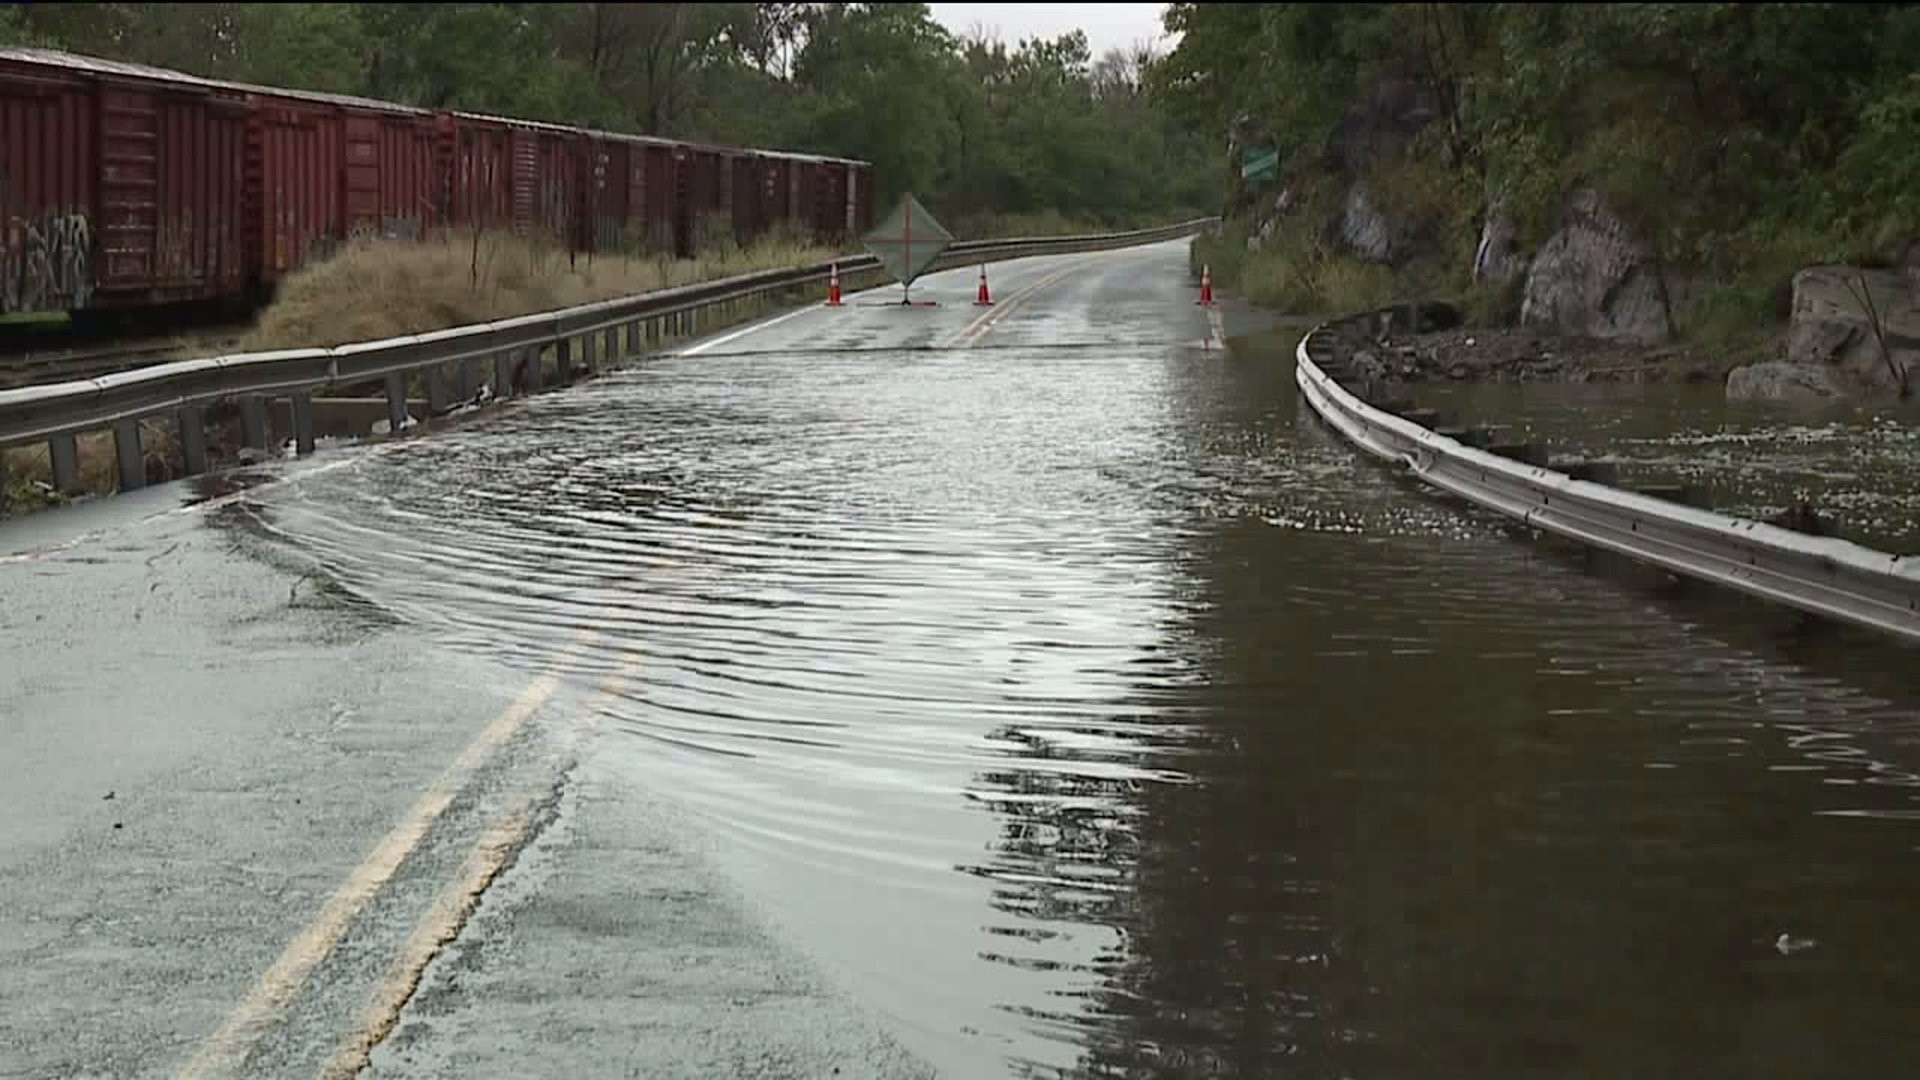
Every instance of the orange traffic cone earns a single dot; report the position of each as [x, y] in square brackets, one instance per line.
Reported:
[982, 299]
[1206, 287]
[833, 286]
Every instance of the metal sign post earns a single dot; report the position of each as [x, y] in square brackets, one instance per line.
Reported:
[907, 241]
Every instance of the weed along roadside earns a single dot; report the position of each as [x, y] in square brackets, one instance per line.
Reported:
[376, 289]
[1286, 273]
[152, 425]
[361, 411]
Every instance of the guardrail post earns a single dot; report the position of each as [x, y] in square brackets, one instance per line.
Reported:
[503, 374]
[469, 379]
[532, 358]
[193, 438]
[590, 353]
[436, 391]
[126, 445]
[303, 422]
[610, 345]
[64, 455]
[396, 403]
[253, 421]
[563, 354]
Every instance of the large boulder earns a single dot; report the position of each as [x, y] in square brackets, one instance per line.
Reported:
[1775, 381]
[1833, 326]
[1592, 279]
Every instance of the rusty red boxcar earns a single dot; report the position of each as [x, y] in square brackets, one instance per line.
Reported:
[632, 180]
[120, 185]
[124, 186]
[518, 174]
[322, 168]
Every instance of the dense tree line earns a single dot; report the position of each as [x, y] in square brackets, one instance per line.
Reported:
[1740, 140]
[974, 127]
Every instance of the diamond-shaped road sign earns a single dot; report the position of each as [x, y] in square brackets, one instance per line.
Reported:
[908, 240]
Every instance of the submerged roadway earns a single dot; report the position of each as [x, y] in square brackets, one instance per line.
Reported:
[884, 691]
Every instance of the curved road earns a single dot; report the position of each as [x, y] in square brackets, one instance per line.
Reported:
[892, 691]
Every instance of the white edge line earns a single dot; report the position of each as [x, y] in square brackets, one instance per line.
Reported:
[742, 332]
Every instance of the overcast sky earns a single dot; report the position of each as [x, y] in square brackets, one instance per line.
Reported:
[1108, 26]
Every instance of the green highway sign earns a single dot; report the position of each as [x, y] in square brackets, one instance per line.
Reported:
[908, 240]
[1260, 163]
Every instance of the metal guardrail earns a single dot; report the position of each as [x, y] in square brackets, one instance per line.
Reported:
[505, 357]
[1826, 576]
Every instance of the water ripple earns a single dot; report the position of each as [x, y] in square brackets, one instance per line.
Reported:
[1104, 712]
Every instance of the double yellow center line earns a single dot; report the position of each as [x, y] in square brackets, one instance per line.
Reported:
[225, 1052]
[970, 334]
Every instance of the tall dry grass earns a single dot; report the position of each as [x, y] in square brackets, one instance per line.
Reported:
[374, 288]
[25, 471]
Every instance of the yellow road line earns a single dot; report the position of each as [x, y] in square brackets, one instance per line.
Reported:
[224, 1052]
[978, 328]
[507, 835]
[450, 911]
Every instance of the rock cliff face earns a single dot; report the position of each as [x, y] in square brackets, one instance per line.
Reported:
[1362, 229]
[1832, 344]
[1377, 128]
[1383, 124]
[1371, 129]
[1496, 258]
[1591, 278]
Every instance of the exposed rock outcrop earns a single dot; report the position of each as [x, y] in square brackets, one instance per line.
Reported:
[1496, 259]
[1378, 128]
[1382, 125]
[1832, 330]
[1591, 278]
[1361, 227]
[1776, 381]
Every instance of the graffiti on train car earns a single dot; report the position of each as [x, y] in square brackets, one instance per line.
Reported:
[46, 264]
[175, 258]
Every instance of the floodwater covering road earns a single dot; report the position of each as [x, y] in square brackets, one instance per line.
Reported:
[901, 692]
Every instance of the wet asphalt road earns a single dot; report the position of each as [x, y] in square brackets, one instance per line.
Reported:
[245, 805]
[885, 692]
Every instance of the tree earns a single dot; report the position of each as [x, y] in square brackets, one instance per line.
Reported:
[975, 127]
[883, 79]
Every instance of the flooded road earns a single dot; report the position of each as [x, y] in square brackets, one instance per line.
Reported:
[1080, 707]
[1854, 462]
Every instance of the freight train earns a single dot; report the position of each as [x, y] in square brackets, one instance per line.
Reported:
[126, 188]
